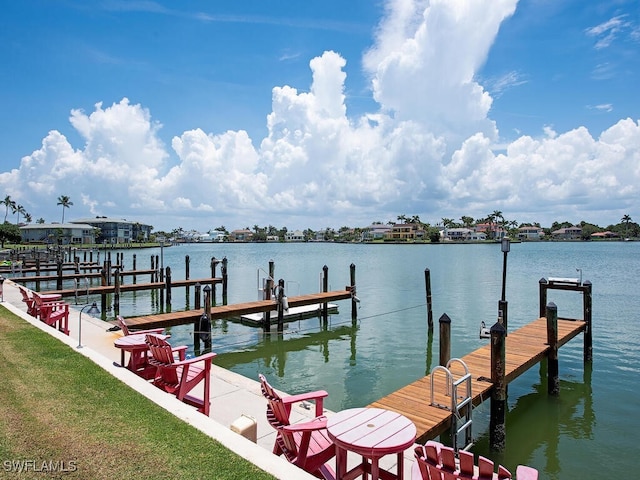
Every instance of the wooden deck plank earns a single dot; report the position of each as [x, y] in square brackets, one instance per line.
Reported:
[525, 347]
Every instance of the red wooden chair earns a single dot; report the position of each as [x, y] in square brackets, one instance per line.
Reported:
[180, 376]
[307, 444]
[55, 314]
[29, 301]
[435, 461]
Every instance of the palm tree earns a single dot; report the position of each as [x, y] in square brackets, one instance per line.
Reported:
[626, 219]
[20, 210]
[9, 204]
[66, 202]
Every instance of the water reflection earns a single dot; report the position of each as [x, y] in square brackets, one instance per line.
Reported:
[538, 424]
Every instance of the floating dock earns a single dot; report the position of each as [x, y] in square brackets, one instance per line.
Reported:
[293, 314]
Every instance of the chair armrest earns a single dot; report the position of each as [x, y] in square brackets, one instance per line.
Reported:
[526, 473]
[318, 394]
[205, 357]
[317, 423]
[181, 351]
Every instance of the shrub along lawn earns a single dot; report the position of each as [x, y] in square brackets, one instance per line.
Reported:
[58, 409]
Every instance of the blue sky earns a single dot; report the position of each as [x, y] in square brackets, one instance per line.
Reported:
[321, 114]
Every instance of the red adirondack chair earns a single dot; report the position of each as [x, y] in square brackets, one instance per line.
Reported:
[55, 314]
[180, 376]
[307, 444]
[29, 301]
[435, 461]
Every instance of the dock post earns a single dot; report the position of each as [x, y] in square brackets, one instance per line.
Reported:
[445, 339]
[168, 287]
[103, 296]
[38, 273]
[135, 267]
[214, 264]
[197, 296]
[354, 301]
[325, 288]
[187, 261]
[280, 305]
[553, 381]
[588, 335]
[224, 281]
[497, 427]
[427, 281]
[59, 279]
[544, 285]
[116, 292]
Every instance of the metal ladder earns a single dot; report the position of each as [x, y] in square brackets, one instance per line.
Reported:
[460, 405]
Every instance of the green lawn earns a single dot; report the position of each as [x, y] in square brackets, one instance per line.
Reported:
[58, 409]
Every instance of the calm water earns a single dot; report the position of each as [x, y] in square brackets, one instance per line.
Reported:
[593, 423]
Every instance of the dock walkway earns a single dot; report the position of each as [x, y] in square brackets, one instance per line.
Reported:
[524, 348]
[232, 311]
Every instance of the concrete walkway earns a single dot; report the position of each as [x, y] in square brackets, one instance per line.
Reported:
[232, 395]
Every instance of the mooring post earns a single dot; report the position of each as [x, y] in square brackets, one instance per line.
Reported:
[214, 264]
[543, 296]
[135, 267]
[38, 273]
[497, 427]
[354, 299]
[197, 296]
[116, 292]
[445, 339]
[588, 335]
[553, 382]
[427, 281]
[224, 281]
[59, 279]
[325, 288]
[187, 261]
[168, 286]
[103, 296]
[280, 305]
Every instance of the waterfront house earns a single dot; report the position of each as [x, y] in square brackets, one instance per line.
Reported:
[402, 232]
[115, 230]
[568, 233]
[295, 236]
[604, 235]
[375, 232]
[242, 235]
[59, 233]
[529, 232]
[462, 235]
[494, 231]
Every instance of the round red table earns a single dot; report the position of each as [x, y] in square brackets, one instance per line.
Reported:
[371, 433]
[137, 347]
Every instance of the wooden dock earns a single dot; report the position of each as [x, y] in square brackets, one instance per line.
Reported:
[524, 348]
[131, 287]
[231, 311]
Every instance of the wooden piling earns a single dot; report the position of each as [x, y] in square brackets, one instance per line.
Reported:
[543, 284]
[280, 305]
[427, 282]
[116, 292]
[553, 381]
[196, 294]
[497, 426]
[354, 302]
[588, 338]
[168, 286]
[445, 339]
[224, 281]
[59, 280]
[325, 288]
